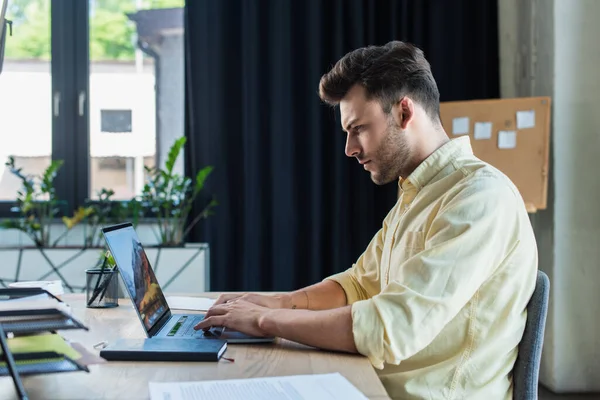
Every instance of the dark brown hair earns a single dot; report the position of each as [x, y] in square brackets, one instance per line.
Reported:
[387, 73]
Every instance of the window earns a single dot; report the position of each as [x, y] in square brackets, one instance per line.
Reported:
[97, 84]
[135, 89]
[25, 91]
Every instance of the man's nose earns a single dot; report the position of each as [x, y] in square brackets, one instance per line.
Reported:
[352, 147]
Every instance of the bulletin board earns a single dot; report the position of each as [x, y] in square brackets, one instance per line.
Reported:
[512, 135]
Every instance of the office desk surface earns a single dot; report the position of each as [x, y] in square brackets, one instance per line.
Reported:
[129, 380]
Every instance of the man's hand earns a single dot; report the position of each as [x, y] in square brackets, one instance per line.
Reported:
[328, 329]
[268, 301]
[239, 315]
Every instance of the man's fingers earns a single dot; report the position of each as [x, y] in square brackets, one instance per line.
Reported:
[207, 323]
[224, 298]
[217, 310]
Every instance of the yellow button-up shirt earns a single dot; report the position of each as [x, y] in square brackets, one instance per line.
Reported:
[439, 296]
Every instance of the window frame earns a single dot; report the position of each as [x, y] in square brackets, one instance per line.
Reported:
[69, 99]
[69, 80]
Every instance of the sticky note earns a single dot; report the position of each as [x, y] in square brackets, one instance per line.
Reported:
[507, 139]
[460, 126]
[483, 130]
[525, 119]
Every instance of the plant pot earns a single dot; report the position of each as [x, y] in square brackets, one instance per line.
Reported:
[102, 288]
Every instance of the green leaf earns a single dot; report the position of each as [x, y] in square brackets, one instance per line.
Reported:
[79, 215]
[10, 163]
[201, 178]
[50, 174]
[104, 194]
[174, 154]
[11, 224]
[163, 176]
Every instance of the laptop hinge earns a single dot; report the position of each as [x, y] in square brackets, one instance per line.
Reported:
[159, 324]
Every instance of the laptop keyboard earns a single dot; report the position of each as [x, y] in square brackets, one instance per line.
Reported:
[185, 326]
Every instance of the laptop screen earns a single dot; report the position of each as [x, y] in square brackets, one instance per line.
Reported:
[136, 272]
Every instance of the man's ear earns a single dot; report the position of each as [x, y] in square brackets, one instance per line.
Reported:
[403, 112]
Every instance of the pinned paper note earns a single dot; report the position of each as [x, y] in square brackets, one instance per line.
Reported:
[460, 126]
[483, 130]
[525, 119]
[507, 139]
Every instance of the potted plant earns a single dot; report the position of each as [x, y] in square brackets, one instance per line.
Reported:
[38, 209]
[165, 205]
[39, 206]
[169, 196]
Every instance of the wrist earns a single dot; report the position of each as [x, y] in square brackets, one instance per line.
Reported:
[298, 300]
[286, 300]
[265, 323]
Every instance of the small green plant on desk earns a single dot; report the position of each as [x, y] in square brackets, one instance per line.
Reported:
[106, 281]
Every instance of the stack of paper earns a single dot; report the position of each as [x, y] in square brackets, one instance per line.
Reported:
[323, 387]
[38, 302]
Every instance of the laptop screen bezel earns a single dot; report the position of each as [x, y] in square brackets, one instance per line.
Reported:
[164, 318]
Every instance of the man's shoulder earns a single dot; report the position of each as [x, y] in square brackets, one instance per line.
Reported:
[479, 175]
[476, 179]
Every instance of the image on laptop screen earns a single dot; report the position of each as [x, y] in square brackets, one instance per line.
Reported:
[137, 274]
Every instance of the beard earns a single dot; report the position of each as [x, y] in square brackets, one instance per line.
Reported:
[393, 158]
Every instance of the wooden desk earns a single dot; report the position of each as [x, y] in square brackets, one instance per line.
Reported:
[129, 380]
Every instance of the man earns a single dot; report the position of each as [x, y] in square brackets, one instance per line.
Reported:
[437, 301]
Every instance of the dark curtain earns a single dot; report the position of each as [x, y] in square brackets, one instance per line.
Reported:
[293, 208]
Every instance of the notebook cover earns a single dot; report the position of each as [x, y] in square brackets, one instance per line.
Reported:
[163, 349]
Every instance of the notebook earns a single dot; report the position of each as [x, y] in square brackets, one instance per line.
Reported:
[163, 349]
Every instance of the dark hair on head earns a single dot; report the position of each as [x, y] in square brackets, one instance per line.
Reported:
[387, 73]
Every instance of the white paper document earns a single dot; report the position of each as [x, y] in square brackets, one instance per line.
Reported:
[190, 303]
[483, 130]
[460, 126]
[38, 302]
[525, 119]
[507, 139]
[298, 387]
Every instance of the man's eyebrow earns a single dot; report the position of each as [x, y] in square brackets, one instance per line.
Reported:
[349, 125]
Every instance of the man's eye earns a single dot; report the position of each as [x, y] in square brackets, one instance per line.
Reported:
[359, 128]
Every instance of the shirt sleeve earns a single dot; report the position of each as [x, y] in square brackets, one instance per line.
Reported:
[467, 240]
[362, 280]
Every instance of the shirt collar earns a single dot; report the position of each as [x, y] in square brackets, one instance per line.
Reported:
[434, 164]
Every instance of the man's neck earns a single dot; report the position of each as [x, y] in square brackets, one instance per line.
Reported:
[430, 142]
[430, 146]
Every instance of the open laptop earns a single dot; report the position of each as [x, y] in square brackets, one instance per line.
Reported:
[148, 298]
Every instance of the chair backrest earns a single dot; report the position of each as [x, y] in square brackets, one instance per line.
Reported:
[527, 367]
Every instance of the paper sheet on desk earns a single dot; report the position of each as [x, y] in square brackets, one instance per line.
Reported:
[190, 303]
[41, 343]
[299, 387]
